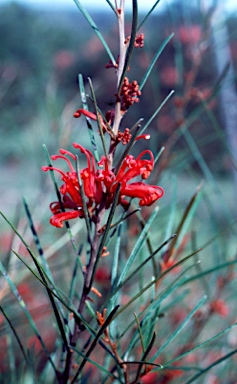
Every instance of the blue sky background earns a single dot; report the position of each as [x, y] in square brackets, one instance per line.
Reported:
[87, 3]
[230, 5]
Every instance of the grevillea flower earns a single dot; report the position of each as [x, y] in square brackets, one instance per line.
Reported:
[100, 184]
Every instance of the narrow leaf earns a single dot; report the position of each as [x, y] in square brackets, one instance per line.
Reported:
[206, 342]
[154, 60]
[218, 361]
[131, 43]
[157, 110]
[26, 312]
[15, 334]
[98, 335]
[98, 117]
[95, 28]
[155, 280]
[84, 205]
[187, 216]
[137, 247]
[148, 14]
[180, 328]
[112, 7]
[37, 240]
[88, 121]
[211, 270]
[53, 303]
[145, 354]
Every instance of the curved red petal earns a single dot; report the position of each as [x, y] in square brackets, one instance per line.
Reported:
[147, 194]
[86, 113]
[58, 219]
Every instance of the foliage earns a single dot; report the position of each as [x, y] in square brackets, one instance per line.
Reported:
[129, 292]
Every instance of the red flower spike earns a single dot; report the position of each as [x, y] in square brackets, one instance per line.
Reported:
[101, 183]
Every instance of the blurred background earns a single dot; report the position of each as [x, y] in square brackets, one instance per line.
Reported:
[45, 46]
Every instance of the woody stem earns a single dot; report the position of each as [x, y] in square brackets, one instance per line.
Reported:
[121, 63]
[88, 281]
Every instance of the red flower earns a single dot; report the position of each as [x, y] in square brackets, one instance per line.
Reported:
[101, 184]
[130, 93]
[219, 307]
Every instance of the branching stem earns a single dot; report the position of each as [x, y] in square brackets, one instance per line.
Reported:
[121, 62]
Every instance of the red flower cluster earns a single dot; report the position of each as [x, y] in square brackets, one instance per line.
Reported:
[129, 94]
[124, 137]
[139, 41]
[101, 184]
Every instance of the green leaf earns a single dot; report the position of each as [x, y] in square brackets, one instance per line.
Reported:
[37, 240]
[100, 367]
[140, 241]
[88, 121]
[131, 44]
[27, 314]
[98, 335]
[157, 111]
[154, 281]
[179, 328]
[84, 204]
[206, 171]
[161, 297]
[98, 117]
[159, 154]
[208, 271]
[140, 332]
[116, 256]
[135, 271]
[112, 7]
[95, 28]
[55, 292]
[144, 356]
[203, 344]
[74, 276]
[15, 334]
[107, 229]
[186, 218]
[118, 287]
[218, 361]
[148, 14]
[154, 60]
[57, 310]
